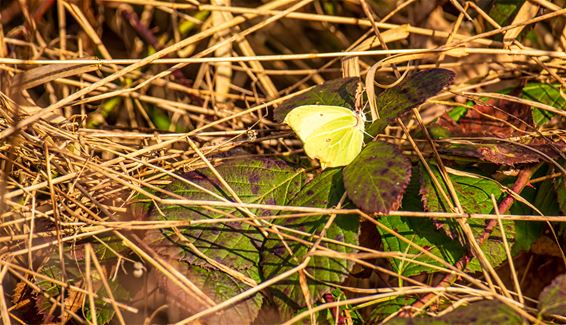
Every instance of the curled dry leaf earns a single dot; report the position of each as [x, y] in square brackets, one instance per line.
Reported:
[499, 119]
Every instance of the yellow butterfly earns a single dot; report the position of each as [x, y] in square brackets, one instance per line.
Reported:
[332, 134]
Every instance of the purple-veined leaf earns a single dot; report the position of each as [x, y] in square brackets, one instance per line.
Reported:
[235, 244]
[377, 178]
[552, 300]
[325, 190]
[411, 92]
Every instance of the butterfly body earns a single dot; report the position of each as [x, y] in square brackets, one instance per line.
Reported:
[332, 134]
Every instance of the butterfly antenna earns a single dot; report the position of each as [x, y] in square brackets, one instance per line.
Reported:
[369, 135]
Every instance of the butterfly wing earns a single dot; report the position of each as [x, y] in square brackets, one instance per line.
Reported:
[336, 143]
[307, 119]
[332, 134]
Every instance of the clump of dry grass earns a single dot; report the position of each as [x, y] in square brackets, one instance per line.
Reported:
[180, 86]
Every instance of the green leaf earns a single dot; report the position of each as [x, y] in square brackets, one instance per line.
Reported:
[475, 197]
[384, 309]
[560, 187]
[545, 199]
[323, 191]
[377, 178]
[473, 192]
[419, 231]
[327, 316]
[548, 94]
[503, 10]
[337, 92]
[160, 119]
[527, 232]
[552, 299]
[411, 92]
[216, 285]
[234, 244]
[460, 111]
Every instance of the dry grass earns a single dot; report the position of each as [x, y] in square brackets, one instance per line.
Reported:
[75, 153]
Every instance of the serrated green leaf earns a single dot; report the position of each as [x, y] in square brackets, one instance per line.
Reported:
[377, 178]
[419, 231]
[234, 244]
[473, 192]
[411, 92]
[337, 92]
[423, 233]
[552, 299]
[324, 190]
[475, 197]
[548, 94]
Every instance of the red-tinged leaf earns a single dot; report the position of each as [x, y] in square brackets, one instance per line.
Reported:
[505, 153]
[552, 300]
[500, 118]
[494, 118]
[411, 92]
[377, 178]
[235, 244]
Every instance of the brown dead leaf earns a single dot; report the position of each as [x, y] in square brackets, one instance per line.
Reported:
[499, 118]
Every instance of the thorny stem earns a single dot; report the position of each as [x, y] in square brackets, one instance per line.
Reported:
[520, 183]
